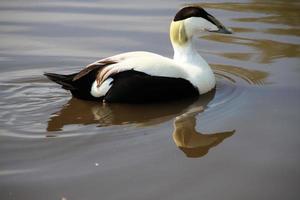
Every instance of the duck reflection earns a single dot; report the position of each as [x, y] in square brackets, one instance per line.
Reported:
[84, 112]
[191, 142]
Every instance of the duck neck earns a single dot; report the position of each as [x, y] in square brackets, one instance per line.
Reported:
[187, 53]
[199, 72]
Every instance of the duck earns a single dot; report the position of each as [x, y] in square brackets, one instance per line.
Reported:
[146, 77]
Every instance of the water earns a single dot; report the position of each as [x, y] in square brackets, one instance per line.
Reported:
[240, 142]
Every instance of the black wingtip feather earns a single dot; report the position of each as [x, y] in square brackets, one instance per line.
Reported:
[64, 80]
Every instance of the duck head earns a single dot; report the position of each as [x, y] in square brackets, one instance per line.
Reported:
[193, 21]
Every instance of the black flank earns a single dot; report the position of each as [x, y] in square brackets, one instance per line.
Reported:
[129, 87]
[138, 87]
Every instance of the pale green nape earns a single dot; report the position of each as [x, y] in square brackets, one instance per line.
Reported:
[178, 33]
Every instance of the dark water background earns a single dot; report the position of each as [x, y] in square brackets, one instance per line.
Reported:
[241, 142]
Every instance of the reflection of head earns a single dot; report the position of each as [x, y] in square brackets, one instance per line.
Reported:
[211, 140]
[194, 152]
[191, 142]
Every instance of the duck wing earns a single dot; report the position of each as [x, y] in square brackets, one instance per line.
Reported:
[99, 65]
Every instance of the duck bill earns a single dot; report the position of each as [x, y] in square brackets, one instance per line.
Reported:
[223, 30]
[221, 27]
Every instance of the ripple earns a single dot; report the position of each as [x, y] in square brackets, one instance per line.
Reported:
[232, 80]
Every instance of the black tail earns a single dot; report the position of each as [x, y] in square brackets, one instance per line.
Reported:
[66, 81]
[79, 88]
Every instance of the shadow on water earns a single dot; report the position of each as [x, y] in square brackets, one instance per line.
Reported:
[185, 136]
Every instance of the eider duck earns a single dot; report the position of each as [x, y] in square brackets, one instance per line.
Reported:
[143, 77]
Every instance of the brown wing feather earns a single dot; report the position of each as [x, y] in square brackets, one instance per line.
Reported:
[99, 65]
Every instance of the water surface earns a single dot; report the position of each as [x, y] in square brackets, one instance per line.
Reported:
[240, 141]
